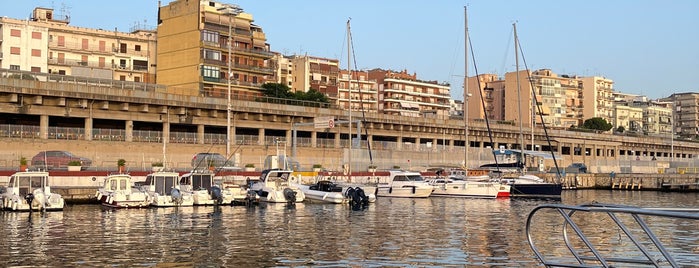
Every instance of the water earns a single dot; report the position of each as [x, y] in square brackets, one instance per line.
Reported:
[390, 233]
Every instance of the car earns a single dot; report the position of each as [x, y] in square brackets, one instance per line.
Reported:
[577, 168]
[58, 159]
[216, 160]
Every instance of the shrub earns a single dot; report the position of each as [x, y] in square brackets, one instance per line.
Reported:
[23, 161]
[250, 165]
[156, 164]
[121, 162]
[75, 163]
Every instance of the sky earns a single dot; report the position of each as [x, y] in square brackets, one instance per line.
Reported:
[647, 47]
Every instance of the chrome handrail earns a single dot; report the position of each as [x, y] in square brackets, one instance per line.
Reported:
[656, 256]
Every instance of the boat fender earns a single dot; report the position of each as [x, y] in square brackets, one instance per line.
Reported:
[176, 196]
[390, 190]
[414, 189]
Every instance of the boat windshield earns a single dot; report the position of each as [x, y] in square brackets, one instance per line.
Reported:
[415, 178]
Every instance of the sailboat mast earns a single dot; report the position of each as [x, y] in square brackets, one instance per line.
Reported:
[519, 95]
[349, 102]
[465, 106]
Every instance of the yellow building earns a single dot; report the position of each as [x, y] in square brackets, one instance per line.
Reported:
[195, 56]
[46, 43]
[598, 100]
[401, 93]
[360, 91]
[316, 73]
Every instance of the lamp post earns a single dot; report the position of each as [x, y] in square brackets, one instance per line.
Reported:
[229, 11]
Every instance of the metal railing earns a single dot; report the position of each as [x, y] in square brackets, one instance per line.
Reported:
[608, 235]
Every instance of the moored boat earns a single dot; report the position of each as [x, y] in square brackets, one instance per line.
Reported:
[30, 191]
[204, 191]
[404, 184]
[119, 191]
[326, 191]
[164, 190]
[530, 186]
[446, 187]
[274, 187]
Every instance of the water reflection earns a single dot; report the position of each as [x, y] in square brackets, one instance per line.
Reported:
[390, 232]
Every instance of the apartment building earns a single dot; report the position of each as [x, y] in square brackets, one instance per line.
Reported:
[492, 89]
[685, 115]
[46, 43]
[199, 41]
[317, 73]
[403, 94]
[359, 92]
[599, 99]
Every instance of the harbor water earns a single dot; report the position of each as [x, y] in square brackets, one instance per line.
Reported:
[393, 232]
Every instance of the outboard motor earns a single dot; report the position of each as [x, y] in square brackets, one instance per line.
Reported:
[363, 198]
[217, 195]
[289, 195]
[30, 198]
[176, 196]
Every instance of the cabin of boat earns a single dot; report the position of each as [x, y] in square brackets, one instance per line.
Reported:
[201, 185]
[164, 190]
[30, 191]
[404, 184]
[119, 191]
[274, 187]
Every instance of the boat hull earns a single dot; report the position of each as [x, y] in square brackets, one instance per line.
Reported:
[119, 200]
[485, 190]
[536, 190]
[404, 191]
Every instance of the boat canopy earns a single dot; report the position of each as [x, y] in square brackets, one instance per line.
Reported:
[542, 154]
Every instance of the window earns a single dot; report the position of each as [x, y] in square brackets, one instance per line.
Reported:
[101, 62]
[208, 36]
[15, 33]
[14, 67]
[122, 64]
[14, 50]
[36, 53]
[61, 41]
[136, 79]
[122, 48]
[122, 77]
[137, 48]
[212, 55]
[83, 60]
[36, 35]
[211, 72]
[103, 46]
[85, 44]
[62, 72]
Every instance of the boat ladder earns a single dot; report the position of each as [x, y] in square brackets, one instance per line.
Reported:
[608, 235]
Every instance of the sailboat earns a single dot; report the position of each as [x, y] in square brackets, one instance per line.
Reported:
[447, 187]
[528, 185]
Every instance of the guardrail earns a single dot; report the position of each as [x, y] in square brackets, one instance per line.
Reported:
[608, 235]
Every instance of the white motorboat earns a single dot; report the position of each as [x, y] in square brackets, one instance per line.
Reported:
[325, 191]
[404, 184]
[30, 190]
[446, 187]
[119, 191]
[204, 191]
[164, 190]
[274, 187]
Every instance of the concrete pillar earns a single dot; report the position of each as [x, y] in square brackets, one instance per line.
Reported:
[434, 145]
[314, 139]
[44, 127]
[128, 128]
[200, 134]
[337, 139]
[261, 136]
[88, 129]
[288, 137]
[399, 143]
[370, 140]
[417, 144]
[166, 132]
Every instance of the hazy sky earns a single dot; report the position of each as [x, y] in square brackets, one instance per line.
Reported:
[647, 47]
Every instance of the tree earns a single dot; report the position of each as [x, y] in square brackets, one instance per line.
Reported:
[597, 123]
[276, 90]
[620, 129]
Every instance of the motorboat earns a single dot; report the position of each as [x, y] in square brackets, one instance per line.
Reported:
[119, 191]
[404, 184]
[326, 191]
[274, 187]
[201, 185]
[531, 186]
[164, 190]
[446, 187]
[30, 191]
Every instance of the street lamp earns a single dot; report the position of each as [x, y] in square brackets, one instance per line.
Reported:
[230, 12]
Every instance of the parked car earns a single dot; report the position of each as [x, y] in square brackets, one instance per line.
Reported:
[56, 159]
[216, 160]
[577, 168]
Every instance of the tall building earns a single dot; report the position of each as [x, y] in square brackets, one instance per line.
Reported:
[685, 115]
[492, 88]
[599, 100]
[195, 55]
[360, 91]
[403, 94]
[46, 43]
[316, 73]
